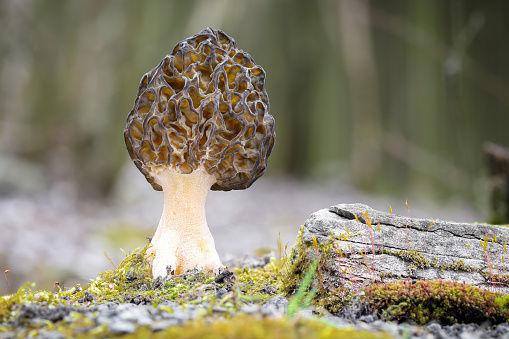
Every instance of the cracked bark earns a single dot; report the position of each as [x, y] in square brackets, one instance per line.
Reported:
[405, 248]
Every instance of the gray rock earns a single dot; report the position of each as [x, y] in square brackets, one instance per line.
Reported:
[433, 327]
[50, 335]
[178, 315]
[367, 318]
[107, 306]
[380, 244]
[338, 321]
[219, 309]
[221, 292]
[250, 309]
[275, 307]
[134, 313]
[121, 327]
[306, 313]
[161, 325]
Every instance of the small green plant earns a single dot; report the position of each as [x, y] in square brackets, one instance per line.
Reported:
[300, 300]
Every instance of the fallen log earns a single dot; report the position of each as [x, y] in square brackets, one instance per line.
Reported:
[356, 245]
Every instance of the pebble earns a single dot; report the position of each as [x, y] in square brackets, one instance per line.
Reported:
[161, 325]
[221, 292]
[250, 309]
[275, 307]
[125, 318]
[121, 327]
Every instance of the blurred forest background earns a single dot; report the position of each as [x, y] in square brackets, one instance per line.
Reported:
[392, 98]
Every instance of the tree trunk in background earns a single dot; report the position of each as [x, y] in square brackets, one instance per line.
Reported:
[497, 159]
[425, 101]
[357, 51]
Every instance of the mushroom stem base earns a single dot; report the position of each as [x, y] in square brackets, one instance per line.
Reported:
[183, 240]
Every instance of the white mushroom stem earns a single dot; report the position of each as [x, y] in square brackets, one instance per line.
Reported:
[183, 239]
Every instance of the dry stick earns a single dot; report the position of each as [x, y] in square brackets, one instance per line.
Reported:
[5, 276]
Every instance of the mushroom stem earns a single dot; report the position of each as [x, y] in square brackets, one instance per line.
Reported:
[183, 239]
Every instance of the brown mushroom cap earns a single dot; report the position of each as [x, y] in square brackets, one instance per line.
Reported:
[204, 105]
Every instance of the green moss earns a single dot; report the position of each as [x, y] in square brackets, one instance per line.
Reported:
[415, 259]
[496, 278]
[336, 298]
[241, 326]
[300, 257]
[132, 279]
[248, 327]
[261, 283]
[448, 302]
[423, 301]
[458, 266]
[10, 304]
[294, 267]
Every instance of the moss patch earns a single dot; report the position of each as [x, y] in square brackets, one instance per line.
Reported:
[448, 302]
[420, 301]
[258, 328]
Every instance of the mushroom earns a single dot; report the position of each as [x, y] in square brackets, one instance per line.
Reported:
[200, 121]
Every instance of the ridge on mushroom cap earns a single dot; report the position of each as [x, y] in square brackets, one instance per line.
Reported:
[204, 105]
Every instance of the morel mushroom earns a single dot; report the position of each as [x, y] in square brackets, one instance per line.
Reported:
[200, 121]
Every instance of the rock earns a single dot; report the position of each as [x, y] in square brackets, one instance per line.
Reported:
[50, 335]
[219, 309]
[107, 306]
[221, 292]
[133, 313]
[52, 314]
[88, 296]
[161, 325]
[121, 327]
[357, 244]
[367, 318]
[225, 276]
[275, 307]
[250, 309]
[269, 290]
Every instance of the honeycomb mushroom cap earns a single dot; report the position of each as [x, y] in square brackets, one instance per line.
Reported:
[204, 105]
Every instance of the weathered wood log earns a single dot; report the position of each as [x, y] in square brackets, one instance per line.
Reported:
[356, 245]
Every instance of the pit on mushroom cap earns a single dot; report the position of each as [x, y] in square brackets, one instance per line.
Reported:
[200, 121]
